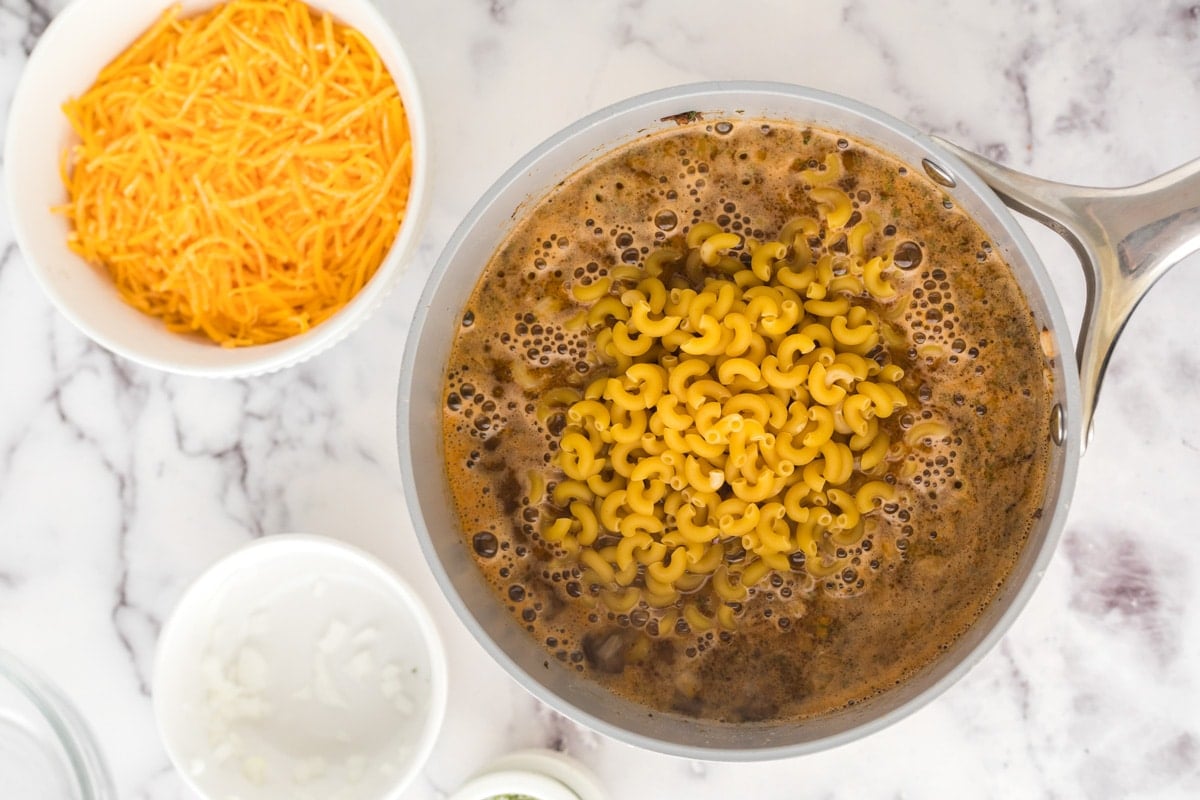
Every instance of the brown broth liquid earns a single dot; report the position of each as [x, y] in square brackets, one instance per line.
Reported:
[803, 646]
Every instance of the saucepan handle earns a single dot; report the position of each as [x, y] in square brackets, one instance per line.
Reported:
[1126, 239]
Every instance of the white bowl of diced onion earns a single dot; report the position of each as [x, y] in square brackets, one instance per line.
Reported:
[78, 43]
[299, 667]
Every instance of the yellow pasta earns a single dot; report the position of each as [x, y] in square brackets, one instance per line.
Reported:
[641, 497]
[857, 411]
[592, 291]
[604, 308]
[627, 345]
[595, 562]
[798, 229]
[702, 447]
[874, 281]
[655, 263]
[861, 440]
[733, 368]
[827, 308]
[700, 475]
[697, 619]
[740, 524]
[634, 523]
[833, 204]
[822, 429]
[839, 462]
[594, 410]
[627, 546]
[568, 491]
[779, 324]
[711, 247]
[672, 569]
[641, 321]
[856, 239]
[577, 458]
[764, 486]
[702, 392]
[846, 503]
[765, 257]
[700, 232]
[621, 457]
[589, 526]
[821, 389]
[626, 425]
[928, 429]
[650, 468]
[754, 572]
[778, 378]
[602, 487]
[686, 370]
[707, 562]
[819, 334]
[622, 602]
[873, 494]
[844, 334]
[708, 339]
[739, 422]
[819, 177]
[883, 401]
[685, 521]
[655, 293]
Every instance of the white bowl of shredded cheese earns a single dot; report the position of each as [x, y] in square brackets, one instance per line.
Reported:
[252, 201]
[299, 667]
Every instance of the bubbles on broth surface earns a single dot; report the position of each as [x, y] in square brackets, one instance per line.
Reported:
[666, 220]
[907, 255]
[532, 348]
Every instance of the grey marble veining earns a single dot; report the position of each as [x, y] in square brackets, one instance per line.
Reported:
[118, 484]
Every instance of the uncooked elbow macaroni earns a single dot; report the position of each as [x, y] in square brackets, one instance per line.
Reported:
[737, 431]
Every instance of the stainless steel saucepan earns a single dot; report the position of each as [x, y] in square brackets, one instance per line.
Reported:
[1126, 238]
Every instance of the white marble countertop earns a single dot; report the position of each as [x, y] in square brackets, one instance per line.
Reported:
[118, 484]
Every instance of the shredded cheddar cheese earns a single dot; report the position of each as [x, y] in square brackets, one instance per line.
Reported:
[241, 173]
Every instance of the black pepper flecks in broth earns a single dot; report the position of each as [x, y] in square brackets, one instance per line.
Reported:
[804, 641]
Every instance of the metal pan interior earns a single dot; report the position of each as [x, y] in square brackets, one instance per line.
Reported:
[420, 408]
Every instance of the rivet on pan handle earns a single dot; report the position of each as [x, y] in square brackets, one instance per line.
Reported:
[1126, 238]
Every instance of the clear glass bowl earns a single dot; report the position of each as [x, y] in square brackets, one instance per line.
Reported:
[46, 749]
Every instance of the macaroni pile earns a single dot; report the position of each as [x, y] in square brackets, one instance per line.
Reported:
[739, 432]
[240, 173]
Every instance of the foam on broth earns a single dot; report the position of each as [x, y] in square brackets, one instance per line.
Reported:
[803, 646]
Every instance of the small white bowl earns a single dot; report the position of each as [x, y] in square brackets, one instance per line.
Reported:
[299, 667]
[534, 774]
[76, 45]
